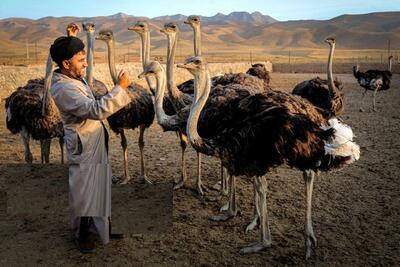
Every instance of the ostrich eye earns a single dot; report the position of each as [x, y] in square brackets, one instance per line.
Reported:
[173, 26]
[108, 34]
[141, 26]
[195, 19]
[197, 62]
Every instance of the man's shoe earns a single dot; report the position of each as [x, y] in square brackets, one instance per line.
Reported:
[85, 245]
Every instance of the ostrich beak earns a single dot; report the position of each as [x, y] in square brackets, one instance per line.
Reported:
[142, 75]
[186, 66]
[186, 22]
[133, 28]
[163, 31]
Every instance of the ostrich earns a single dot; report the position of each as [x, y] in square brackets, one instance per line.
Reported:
[374, 80]
[265, 130]
[171, 104]
[139, 113]
[32, 112]
[324, 94]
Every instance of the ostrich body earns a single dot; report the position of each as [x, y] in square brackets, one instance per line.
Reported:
[324, 94]
[264, 131]
[373, 80]
[33, 113]
[139, 113]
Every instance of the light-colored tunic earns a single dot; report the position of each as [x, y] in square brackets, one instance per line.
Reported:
[85, 138]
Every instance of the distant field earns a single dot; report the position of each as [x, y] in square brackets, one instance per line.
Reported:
[18, 56]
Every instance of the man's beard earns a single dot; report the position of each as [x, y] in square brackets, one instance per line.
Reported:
[77, 75]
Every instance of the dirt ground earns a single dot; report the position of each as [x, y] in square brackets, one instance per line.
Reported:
[356, 210]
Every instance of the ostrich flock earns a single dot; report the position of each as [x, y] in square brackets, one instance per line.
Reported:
[236, 117]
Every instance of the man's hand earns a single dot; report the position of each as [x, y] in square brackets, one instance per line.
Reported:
[123, 79]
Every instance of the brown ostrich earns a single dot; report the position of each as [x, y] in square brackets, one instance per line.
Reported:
[32, 112]
[139, 113]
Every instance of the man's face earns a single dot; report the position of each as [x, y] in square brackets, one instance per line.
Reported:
[76, 66]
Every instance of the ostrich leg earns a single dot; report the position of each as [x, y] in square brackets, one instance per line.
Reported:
[25, 139]
[232, 206]
[124, 145]
[256, 215]
[373, 103]
[45, 150]
[261, 189]
[61, 142]
[143, 173]
[310, 240]
[184, 142]
[222, 185]
[200, 187]
[362, 100]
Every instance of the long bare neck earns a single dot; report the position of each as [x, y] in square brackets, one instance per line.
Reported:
[172, 89]
[89, 58]
[197, 40]
[111, 61]
[162, 118]
[47, 83]
[202, 90]
[145, 54]
[390, 64]
[331, 85]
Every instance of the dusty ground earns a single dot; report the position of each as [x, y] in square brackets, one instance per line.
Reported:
[355, 210]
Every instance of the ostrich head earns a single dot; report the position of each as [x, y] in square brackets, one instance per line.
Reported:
[170, 28]
[195, 65]
[140, 27]
[73, 29]
[154, 68]
[105, 35]
[330, 41]
[193, 21]
[88, 27]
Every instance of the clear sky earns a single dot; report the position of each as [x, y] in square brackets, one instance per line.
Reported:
[281, 10]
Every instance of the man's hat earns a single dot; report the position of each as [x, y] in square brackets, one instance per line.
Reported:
[65, 48]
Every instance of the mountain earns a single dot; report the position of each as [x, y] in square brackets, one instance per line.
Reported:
[237, 31]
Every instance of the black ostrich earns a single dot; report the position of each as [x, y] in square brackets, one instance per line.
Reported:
[139, 113]
[33, 113]
[373, 80]
[262, 131]
[324, 94]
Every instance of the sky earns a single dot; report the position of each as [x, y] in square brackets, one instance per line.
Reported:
[280, 10]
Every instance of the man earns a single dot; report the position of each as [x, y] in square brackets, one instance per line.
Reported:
[86, 140]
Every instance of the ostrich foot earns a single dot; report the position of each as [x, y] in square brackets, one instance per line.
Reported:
[255, 247]
[311, 244]
[120, 179]
[224, 207]
[253, 224]
[224, 216]
[201, 189]
[145, 179]
[361, 110]
[216, 186]
[179, 184]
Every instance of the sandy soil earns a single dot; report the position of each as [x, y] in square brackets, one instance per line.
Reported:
[356, 211]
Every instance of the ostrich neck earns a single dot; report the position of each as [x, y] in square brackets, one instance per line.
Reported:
[331, 85]
[89, 57]
[172, 89]
[197, 41]
[145, 51]
[47, 83]
[390, 64]
[111, 61]
[202, 90]
[162, 118]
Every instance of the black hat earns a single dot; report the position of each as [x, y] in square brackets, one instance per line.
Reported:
[65, 48]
